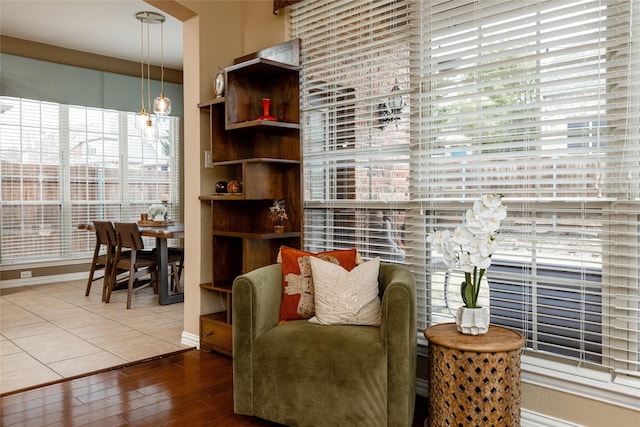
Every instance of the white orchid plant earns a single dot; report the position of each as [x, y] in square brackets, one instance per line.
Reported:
[472, 244]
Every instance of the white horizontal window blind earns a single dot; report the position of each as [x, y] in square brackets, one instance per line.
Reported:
[65, 165]
[537, 101]
[354, 86]
[29, 154]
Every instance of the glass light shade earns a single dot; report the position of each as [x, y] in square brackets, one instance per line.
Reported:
[141, 119]
[162, 105]
[150, 133]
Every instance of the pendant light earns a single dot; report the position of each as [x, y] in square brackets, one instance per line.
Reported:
[162, 104]
[149, 131]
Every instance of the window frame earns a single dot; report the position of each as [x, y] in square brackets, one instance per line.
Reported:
[591, 381]
[76, 202]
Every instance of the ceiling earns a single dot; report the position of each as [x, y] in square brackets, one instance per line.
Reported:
[103, 27]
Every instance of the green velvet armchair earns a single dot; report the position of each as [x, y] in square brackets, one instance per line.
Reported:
[304, 374]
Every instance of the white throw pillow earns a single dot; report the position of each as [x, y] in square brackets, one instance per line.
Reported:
[346, 297]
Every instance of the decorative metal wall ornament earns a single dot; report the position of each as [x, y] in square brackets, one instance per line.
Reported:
[391, 109]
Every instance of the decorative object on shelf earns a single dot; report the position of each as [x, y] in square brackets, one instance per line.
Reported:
[390, 110]
[234, 186]
[278, 214]
[266, 103]
[218, 84]
[157, 212]
[470, 248]
[221, 187]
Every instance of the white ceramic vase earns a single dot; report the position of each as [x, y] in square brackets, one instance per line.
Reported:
[472, 321]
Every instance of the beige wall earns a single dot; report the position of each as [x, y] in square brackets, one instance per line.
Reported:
[59, 55]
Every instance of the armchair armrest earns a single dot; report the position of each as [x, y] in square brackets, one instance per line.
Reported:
[256, 308]
[398, 330]
[257, 296]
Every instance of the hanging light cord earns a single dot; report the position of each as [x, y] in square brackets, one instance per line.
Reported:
[141, 66]
[148, 73]
[162, 58]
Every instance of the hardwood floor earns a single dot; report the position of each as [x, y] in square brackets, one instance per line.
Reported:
[190, 388]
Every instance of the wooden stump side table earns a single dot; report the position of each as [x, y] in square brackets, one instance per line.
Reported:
[474, 380]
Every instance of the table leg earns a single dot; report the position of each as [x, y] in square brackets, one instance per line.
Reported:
[163, 266]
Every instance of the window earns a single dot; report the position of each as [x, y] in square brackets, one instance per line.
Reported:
[356, 150]
[62, 165]
[534, 100]
[523, 101]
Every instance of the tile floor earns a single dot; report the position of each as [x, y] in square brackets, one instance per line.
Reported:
[52, 331]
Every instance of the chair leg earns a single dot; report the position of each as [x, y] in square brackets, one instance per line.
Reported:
[154, 280]
[90, 281]
[106, 280]
[130, 288]
[112, 279]
[181, 264]
[175, 278]
[91, 273]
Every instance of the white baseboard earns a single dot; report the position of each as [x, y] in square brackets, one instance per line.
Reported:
[536, 419]
[41, 280]
[189, 339]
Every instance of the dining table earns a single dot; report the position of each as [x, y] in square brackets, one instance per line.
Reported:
[162, 233]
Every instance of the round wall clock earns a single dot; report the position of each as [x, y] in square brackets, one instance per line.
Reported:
[218, 86]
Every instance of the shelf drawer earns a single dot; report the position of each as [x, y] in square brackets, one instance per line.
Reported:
[215, 334]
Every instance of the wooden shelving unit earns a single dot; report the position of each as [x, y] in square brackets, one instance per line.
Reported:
[266, 157]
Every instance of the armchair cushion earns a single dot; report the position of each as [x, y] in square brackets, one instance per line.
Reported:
[346, 297]
[303, 374]
[298, 384]
[297, 282]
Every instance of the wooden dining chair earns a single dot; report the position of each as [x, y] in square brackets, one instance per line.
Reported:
[139, 262]
[103, 255]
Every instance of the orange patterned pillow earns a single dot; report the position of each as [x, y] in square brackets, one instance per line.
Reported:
[297, 282]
